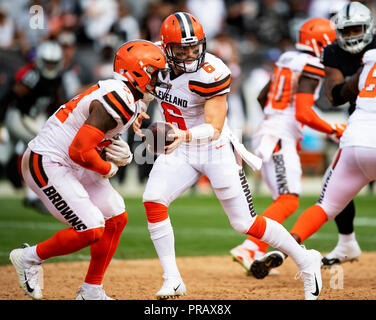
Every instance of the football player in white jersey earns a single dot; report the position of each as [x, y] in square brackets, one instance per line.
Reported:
[354, 165]
[287, 102]
[65, 166]
[196, 108]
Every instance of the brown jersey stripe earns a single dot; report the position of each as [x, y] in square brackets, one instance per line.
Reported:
[37, 171]
[211, 88]
[209, 85]
[208, 94]
[119, 106]
[315, 70]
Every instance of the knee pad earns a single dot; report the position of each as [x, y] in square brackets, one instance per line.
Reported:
[91, 236]
[155, 212]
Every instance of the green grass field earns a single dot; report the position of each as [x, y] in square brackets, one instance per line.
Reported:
[200, 225]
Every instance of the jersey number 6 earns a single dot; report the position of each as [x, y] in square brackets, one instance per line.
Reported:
[173, 115]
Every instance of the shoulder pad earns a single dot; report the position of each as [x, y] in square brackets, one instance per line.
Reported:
[118, 98]
[214, 78]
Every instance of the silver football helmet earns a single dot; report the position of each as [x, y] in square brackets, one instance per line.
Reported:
[49, 59]
[354, 14]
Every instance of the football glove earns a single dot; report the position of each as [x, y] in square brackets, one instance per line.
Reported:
[338, 130]
[119, 152]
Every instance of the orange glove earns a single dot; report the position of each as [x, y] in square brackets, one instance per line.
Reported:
[338, 129]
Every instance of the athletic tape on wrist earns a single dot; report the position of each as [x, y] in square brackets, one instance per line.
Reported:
[202, 132]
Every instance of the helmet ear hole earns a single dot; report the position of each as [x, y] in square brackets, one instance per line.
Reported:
[137, 74]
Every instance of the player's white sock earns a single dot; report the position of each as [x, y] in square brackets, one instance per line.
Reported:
[344, 239]
[250, 245]
[31, 256]
[30, 194]
[278, 237]
[162, 235]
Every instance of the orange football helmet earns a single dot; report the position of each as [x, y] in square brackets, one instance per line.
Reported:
[179, 31]
[139, 62]
[315, 34]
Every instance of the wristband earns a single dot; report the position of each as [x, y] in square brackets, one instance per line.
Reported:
[202, 131]
[336, 94]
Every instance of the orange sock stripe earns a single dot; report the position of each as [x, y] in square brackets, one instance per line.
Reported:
[103, 250]
[67, 241]
[309, 222]
[155, 212]
[258, 227]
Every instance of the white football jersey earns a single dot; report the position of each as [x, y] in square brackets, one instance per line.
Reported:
[280, 106]
[60, 129]
[184, 104]
[362, 122]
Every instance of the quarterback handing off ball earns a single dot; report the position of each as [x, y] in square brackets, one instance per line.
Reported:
[157, 137]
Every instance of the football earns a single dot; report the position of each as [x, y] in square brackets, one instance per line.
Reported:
[156, 137]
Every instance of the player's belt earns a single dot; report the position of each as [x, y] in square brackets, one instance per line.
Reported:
[36, 169]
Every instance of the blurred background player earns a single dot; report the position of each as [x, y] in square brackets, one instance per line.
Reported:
[63, 166]
[355, 35]
[33, 97]
[355, 160]
[287, 101]
[196, 108]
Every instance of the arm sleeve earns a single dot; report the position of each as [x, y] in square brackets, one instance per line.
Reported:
[307, 116]
[82, 150]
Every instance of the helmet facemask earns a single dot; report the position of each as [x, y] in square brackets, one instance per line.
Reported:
[49, 60]
[355, 44]
[156, 82]
[353, 15]
[187, 65]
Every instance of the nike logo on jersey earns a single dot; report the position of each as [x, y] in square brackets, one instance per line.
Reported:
[217, 78]
[219, 147]
[317, 291]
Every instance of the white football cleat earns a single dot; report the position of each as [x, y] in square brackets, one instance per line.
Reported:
[311, 276]
[30, 277]
[93, 293]
[343, 252]
[172, 287]
[263, 266]
[243, 256]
